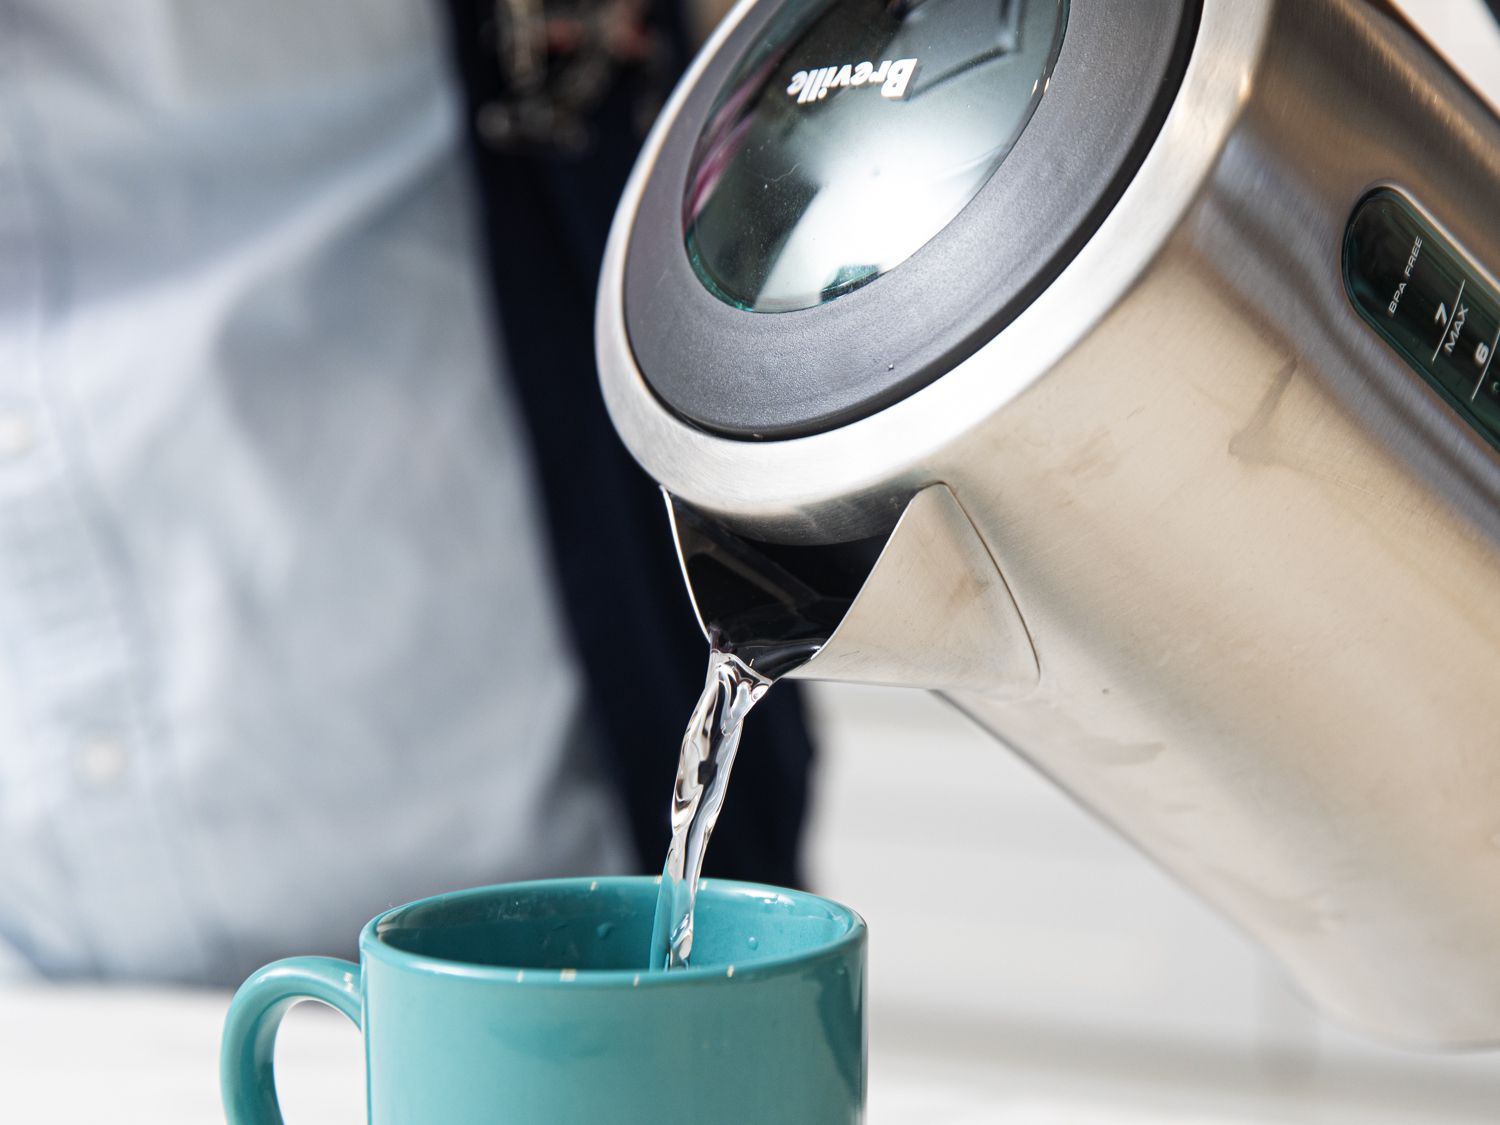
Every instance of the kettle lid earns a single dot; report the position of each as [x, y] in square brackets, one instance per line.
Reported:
[851, 133]
[856, 194]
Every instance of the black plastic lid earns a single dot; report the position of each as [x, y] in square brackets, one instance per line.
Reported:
[931, 164]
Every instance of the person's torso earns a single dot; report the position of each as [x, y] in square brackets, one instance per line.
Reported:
[278, 643]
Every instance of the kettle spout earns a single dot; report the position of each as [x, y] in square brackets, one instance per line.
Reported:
[924, 606]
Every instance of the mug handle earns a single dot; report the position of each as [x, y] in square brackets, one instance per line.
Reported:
[247, 1077]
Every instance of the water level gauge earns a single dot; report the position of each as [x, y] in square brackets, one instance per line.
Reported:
[1429, 301]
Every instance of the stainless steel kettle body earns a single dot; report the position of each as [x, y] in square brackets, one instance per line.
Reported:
[1197, 525]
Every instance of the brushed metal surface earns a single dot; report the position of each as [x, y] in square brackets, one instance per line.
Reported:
[934, 613]
[1258, 558]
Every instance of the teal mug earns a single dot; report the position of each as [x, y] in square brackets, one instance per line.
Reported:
[530, 1004]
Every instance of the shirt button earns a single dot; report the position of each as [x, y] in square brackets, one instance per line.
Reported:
[17, 432]
[101, 762]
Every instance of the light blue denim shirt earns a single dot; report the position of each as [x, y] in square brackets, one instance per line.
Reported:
[278, 643]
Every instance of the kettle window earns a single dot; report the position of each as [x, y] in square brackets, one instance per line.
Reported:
[852, 134]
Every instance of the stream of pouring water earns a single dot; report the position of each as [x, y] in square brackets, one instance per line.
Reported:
[708, 749]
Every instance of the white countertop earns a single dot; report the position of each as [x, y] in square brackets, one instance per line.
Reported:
[90, 1054]
[127, 1056]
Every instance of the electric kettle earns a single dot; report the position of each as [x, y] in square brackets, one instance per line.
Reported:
[1123, 370]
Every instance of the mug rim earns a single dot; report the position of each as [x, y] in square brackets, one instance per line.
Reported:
[373, 947]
